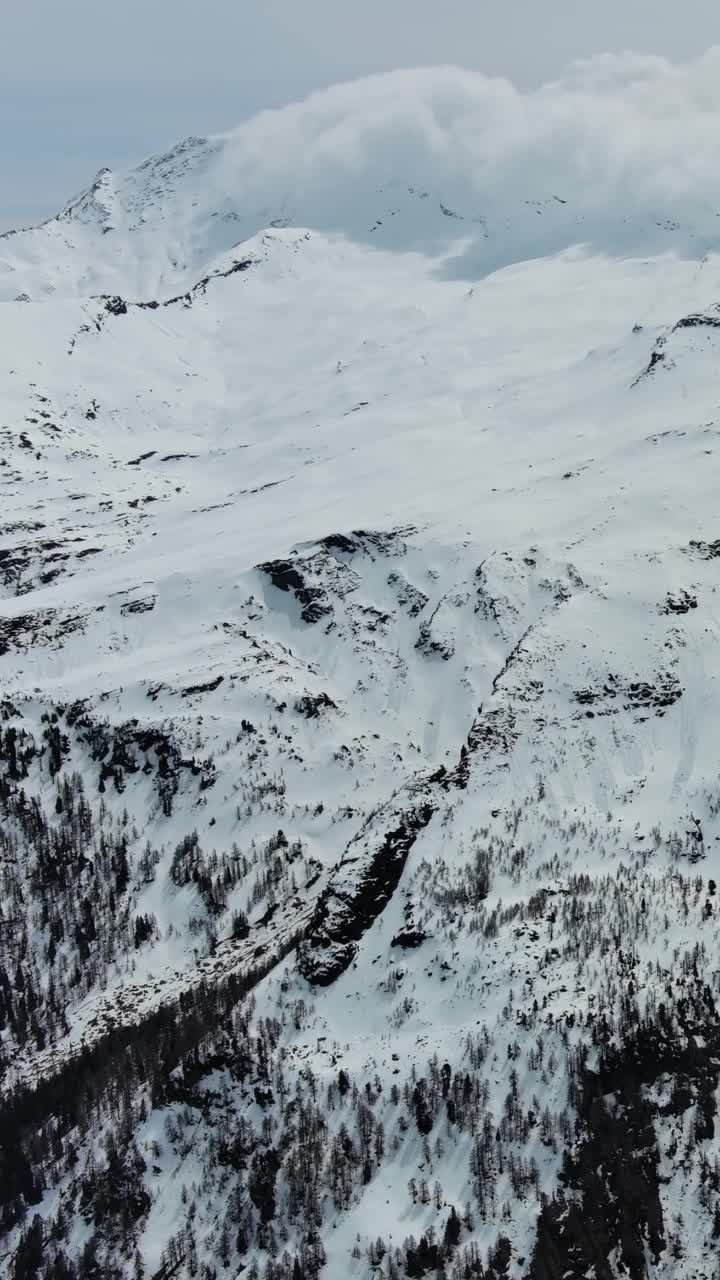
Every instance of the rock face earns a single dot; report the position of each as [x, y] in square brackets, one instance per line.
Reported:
[359, 889]
[289, 577]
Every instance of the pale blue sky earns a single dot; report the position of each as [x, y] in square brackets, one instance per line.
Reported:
[87, 83]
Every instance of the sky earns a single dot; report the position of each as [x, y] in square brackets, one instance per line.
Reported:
[85, 84]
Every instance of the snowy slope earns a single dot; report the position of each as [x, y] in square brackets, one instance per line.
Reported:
[359, 575]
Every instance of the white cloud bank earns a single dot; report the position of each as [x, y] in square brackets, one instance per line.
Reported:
[626, 142]
[622, 153]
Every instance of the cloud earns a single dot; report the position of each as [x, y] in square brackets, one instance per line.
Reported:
[622, 152]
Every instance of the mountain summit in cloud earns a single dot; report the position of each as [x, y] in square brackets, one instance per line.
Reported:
[621, 155]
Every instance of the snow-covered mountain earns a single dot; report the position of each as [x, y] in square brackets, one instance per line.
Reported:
[358, 721]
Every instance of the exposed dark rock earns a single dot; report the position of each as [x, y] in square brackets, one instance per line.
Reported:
[340, 542]
[662, 694]
[45, 627]
[698, 320]
[374, 619]
[358, 892]
[492, 731]
[433, 645]
[116, 306]
[368, 541]
[436, 640]
[657, 357]
[705, 550]
[286, 576]
[20, 526]
[16, 562]
[409, 597]
[144, 605]
[387, 542]
[485, 604]
[203, 688]
[312, 705]
[408, 938]
[199, 289]
[680, 602]
[586, 697]
[632, 695]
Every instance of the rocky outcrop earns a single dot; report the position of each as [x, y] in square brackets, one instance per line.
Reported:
[360, 889]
